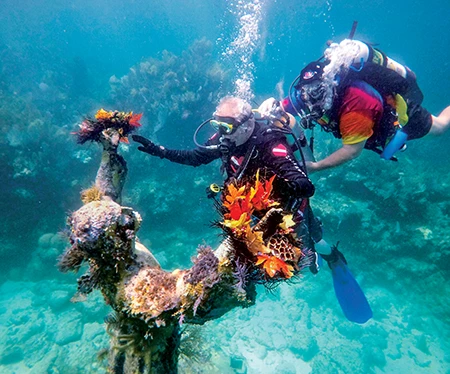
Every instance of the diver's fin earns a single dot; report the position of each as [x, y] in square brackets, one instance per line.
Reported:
[349, 294]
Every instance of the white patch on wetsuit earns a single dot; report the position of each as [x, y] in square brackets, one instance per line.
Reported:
[280, 150]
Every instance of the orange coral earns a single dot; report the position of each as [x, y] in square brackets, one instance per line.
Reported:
[273, 265]
[233, 195]
[102, 115]
[255, 243]
[243, 200]
[239, 207]
[134, 119]
[123, 122]
[261, 192]
[239, 223]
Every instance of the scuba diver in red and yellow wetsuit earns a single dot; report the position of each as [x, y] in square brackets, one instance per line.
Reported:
[365, 98]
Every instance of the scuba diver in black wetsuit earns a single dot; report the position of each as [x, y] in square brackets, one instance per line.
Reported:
[245, 145]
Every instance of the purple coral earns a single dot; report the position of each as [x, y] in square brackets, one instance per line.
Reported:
[205, 268]
[205, 271]
[241, 274]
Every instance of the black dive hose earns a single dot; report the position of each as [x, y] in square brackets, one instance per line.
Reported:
[299, 146]
[353, 30]
[195, 136]
[287, 130]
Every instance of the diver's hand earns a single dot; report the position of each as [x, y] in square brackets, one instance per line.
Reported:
[311, 166]
[149, 147]
[270, 108]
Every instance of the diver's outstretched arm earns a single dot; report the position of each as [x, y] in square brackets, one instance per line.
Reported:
[195, 157]
[344, 154]
[441, 123]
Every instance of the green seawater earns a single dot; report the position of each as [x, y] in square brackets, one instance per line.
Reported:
[62, 60]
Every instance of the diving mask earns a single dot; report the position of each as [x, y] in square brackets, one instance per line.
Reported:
[227, 125]
[241, 130]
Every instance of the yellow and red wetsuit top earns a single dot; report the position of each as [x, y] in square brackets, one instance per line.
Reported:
[360, 110]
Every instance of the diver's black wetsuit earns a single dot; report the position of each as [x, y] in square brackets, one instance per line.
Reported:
[266, 150]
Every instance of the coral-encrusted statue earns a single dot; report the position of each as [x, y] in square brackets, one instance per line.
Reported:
[149, 303]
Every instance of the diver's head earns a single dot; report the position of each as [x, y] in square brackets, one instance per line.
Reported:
[307, 92]
[234, 120]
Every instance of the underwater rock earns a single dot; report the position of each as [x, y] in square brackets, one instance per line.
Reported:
[73, 328]
[59, 300]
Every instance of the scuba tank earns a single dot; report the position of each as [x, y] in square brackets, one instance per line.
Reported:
[389, 78]
[372, 55]
[383, 73]
[395, 144]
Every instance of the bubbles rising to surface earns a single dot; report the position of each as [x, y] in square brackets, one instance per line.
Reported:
[241, 50]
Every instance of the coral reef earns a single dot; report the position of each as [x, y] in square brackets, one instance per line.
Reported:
[172, 88]
[269, 249]
[123, 123]
[91, 194]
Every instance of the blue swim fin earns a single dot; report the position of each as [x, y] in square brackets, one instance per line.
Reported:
[349, 294]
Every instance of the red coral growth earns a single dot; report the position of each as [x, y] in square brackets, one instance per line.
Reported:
[134, 120]
[262, 193]
[123, 122]
[269, 243]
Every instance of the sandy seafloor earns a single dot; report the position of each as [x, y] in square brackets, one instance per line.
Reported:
[43, 332]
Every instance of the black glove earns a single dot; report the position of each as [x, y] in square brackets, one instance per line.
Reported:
[149, 147]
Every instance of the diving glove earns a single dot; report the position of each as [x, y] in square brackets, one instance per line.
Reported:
[149, 147]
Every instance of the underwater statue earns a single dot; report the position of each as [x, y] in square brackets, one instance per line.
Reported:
[149, 304]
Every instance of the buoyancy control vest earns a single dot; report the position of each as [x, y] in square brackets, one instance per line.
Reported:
[238, 159]
[395, 82]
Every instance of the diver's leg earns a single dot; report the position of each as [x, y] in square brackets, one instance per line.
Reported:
[316, 233]
[322, 247]
[313, 229]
